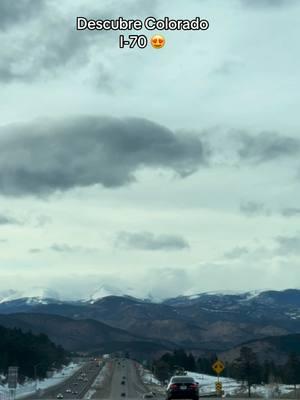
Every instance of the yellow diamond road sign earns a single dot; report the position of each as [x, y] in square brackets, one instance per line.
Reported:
[218, 366]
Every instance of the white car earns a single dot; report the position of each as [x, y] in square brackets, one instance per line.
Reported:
[60, 396]
[68, 391]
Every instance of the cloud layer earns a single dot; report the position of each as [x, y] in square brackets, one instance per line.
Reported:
[148, 241]
[8, 220]
[45, 156]
[51, 155]
[288, 245]
[267, 3]
[12, 12]
[267, 146]
[253, 208]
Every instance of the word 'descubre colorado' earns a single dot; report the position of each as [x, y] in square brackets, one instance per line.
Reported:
[150, 23]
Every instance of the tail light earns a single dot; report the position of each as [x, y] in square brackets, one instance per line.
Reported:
[194, 386]
[173, 386]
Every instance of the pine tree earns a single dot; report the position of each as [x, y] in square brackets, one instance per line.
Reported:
[161, 370]
[191, 363]
[247, 368]
[26, 350]
[292, 370]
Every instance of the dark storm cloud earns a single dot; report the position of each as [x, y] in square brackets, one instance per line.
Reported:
[253, 209]
[45, 156]
[148, 241]
[7, 220]
[267, 146]
[288, 245]
[15, 11]
[237, 252]
[290, 212]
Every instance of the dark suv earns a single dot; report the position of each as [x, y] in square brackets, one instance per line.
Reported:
[182, 387]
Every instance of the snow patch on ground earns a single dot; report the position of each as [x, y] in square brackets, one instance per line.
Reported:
[148, 377]
[207, 383]
[32, 387]
[233, 387]
[293, 315]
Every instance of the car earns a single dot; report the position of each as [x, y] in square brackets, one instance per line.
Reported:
[75, 392]
[123, 383]
[60, 396]
[182, 387]
[123, 394]
[68, 391]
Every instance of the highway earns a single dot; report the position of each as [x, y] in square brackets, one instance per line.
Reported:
[122, 381]
[74, 387]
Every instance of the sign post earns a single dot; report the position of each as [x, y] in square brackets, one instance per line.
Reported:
[218, 367]
[12, 382]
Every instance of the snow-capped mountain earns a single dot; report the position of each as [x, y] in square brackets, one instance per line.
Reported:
[222, 300]
[230, 300]
[212, 320]
[43, 295]
[35, 295]
[107, 290]
[8, 295]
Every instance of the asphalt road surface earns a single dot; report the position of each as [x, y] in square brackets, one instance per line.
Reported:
[74, 387]
[124, 383]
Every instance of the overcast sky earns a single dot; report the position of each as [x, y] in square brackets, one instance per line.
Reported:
[170, 171]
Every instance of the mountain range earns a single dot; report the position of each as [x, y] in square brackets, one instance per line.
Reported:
[201, 323]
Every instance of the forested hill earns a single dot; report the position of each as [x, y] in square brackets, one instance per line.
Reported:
[29, 352]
